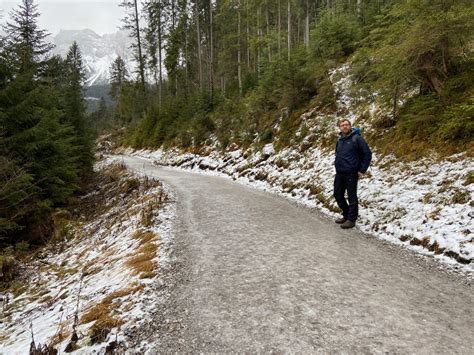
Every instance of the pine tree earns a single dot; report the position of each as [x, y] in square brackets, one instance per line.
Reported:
[24, 40]
[16, 196]
[35, 139]
[118, 77]
[128, 96]
[75, 108]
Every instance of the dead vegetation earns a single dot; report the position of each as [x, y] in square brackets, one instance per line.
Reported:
[8, 268]
[144, 236]
[104, 314]
[147, 215]
[434, 247]
[469, 178]
[143, 263]
[115, 198]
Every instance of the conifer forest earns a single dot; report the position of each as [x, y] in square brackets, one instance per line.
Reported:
[226, 68]
[174, 173]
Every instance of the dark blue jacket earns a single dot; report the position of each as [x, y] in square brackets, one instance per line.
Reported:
[352, 154]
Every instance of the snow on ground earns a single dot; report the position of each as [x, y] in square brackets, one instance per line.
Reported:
[105, 269]
[422, 205]
[425, 205]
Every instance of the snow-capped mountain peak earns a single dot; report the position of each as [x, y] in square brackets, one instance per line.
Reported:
[98, 52]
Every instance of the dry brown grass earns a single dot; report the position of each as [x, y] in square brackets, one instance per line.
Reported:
[83, 252]
[425, 241]
[146, 219]
[101, 313]
[142, 263]
[92, 270]
[469, 178]
[60, 336]
[101, 328]
[90, 266]
[148, 249]
[96, 312]
[129, 185]
[404, 237]
[315, 189]
[128, 307]
[147, 275]
[102, 310]
[145, 236]
[46, 299]
[123, 292]
[114, 172]
[436, 248]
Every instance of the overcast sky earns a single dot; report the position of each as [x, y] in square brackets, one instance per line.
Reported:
[101, 16]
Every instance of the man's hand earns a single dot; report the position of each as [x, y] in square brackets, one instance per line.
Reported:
[361, 174]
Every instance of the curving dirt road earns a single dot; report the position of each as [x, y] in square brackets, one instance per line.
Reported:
[252, 272]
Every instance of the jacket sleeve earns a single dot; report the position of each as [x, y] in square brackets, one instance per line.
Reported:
[365, 155]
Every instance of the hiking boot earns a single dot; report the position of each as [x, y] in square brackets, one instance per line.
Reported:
[340, 220]
[348, 224]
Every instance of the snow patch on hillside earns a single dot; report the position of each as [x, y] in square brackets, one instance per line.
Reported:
[96, 271]
[427, 205]
[423, 205]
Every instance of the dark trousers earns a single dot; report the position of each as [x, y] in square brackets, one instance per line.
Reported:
[343, 183]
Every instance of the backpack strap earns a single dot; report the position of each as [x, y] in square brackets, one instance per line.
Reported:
[355, 139]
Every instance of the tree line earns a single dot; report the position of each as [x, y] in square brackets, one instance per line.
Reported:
[229, 67]
[46, 146]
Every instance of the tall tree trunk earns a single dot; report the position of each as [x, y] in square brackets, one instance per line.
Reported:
[248, 34]
[259, 39]
[141, 62]
[298, 27]
[279, 28]
[198, 33]
[186, 57]
[160, 61]
[173, 26]
[211, 53]
[173, 14]
[289, 29]
[267, 18]
[306, 26]
[239, 49]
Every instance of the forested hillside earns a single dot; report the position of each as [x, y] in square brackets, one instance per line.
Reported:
[232, 71]
[45, 143]
[232, 68]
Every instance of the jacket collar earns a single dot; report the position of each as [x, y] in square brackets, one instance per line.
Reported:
[341, 136]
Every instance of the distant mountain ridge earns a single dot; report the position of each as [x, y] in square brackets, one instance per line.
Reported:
[98, 52]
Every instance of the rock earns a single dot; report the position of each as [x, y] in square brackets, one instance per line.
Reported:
[232, 147]
[208, 164]
[268, 150]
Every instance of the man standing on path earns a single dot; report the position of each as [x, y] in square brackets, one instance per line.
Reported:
[353, 158]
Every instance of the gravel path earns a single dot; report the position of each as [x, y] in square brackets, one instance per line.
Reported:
[253, 272]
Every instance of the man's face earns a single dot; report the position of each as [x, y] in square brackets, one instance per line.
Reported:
[345, 127]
